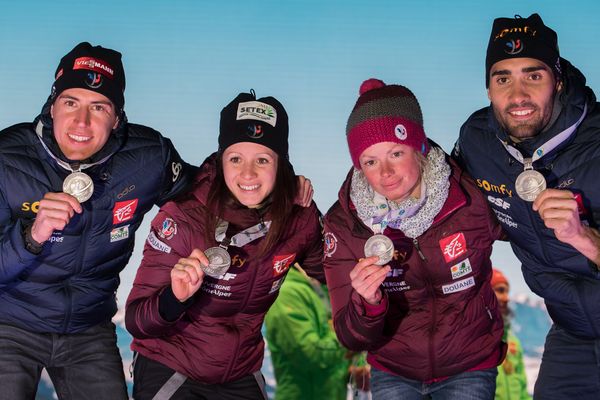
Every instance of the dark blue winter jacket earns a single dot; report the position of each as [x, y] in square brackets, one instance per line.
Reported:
[568, 281]
[70, 286]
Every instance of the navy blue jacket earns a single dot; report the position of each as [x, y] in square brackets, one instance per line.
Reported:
[568, 281]
[70, 286]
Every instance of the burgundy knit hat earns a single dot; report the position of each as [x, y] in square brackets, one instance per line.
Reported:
[385, 113]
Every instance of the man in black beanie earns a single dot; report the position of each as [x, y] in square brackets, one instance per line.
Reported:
[535, 153]
[74, 186]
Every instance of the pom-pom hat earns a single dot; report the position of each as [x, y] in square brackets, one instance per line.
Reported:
[385, 113]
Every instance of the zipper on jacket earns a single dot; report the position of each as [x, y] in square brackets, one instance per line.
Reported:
[432, 328]
[489, 312]
[78, 266]
[234, 357]
[416, 244]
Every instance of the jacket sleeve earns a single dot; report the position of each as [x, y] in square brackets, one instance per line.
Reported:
[356, 327]
[14, 257]
[153, 280]
[294, 327]
[178, 176]
[312, 259]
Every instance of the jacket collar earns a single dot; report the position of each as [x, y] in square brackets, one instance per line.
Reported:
[456, 199]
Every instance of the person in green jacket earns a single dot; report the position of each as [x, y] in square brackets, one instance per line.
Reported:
[511, 383]
[308, 360]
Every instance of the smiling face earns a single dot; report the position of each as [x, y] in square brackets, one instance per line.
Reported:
[392, 170]
[249, 170]
[522, 93]
[83, 121]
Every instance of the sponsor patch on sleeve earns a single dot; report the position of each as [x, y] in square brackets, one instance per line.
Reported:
[453, 246]
[281, 263]
[168, 229]
[276, 285]
[329, 244]
[458, 286]
[157, 244]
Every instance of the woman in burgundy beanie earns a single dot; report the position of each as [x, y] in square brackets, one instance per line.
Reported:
[407, 258]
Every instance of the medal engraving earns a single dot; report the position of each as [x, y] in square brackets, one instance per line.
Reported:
[79, 185]
[219, 262]
[382, 246]
[530, 184]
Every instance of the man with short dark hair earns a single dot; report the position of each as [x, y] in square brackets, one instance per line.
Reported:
[540, 142]
[74, 186]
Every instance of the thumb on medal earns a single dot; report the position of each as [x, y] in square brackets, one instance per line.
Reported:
[200, 256]
[73, 202]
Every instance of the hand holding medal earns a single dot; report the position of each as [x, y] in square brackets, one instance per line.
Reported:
[560, 212]
[54, 213]
[187, 275]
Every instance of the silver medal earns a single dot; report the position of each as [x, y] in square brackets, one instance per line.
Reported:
[219, 261]
[530, 184]
[382, 246]
[79, 185]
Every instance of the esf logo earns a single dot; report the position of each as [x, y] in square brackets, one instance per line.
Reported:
[490, 187]
[499, 202]
[33, 207]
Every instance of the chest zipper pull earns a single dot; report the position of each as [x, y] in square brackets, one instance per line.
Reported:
[416, 243]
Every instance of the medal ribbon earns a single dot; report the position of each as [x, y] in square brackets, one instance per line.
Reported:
[242, 238]
[545, 148]
[65, 165]
[378, 223]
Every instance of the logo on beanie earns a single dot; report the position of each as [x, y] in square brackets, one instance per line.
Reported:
[527, 30]
[93, 64]
[93, 80]
[257, 110]
[513, 47]
[255, 131]
[401, 132]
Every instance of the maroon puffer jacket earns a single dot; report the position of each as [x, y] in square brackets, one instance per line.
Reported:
[218, 339]
[439, 315]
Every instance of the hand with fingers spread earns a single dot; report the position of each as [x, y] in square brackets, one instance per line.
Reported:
[366, 277]
[305, 191]
[55, 212]
[558, 209]
[187, 275]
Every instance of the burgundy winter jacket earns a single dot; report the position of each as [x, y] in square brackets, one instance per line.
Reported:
[217, 338]
[439, 315]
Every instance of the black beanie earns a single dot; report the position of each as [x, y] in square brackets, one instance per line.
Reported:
[93, 68]
[263, 121]
[522, 38]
